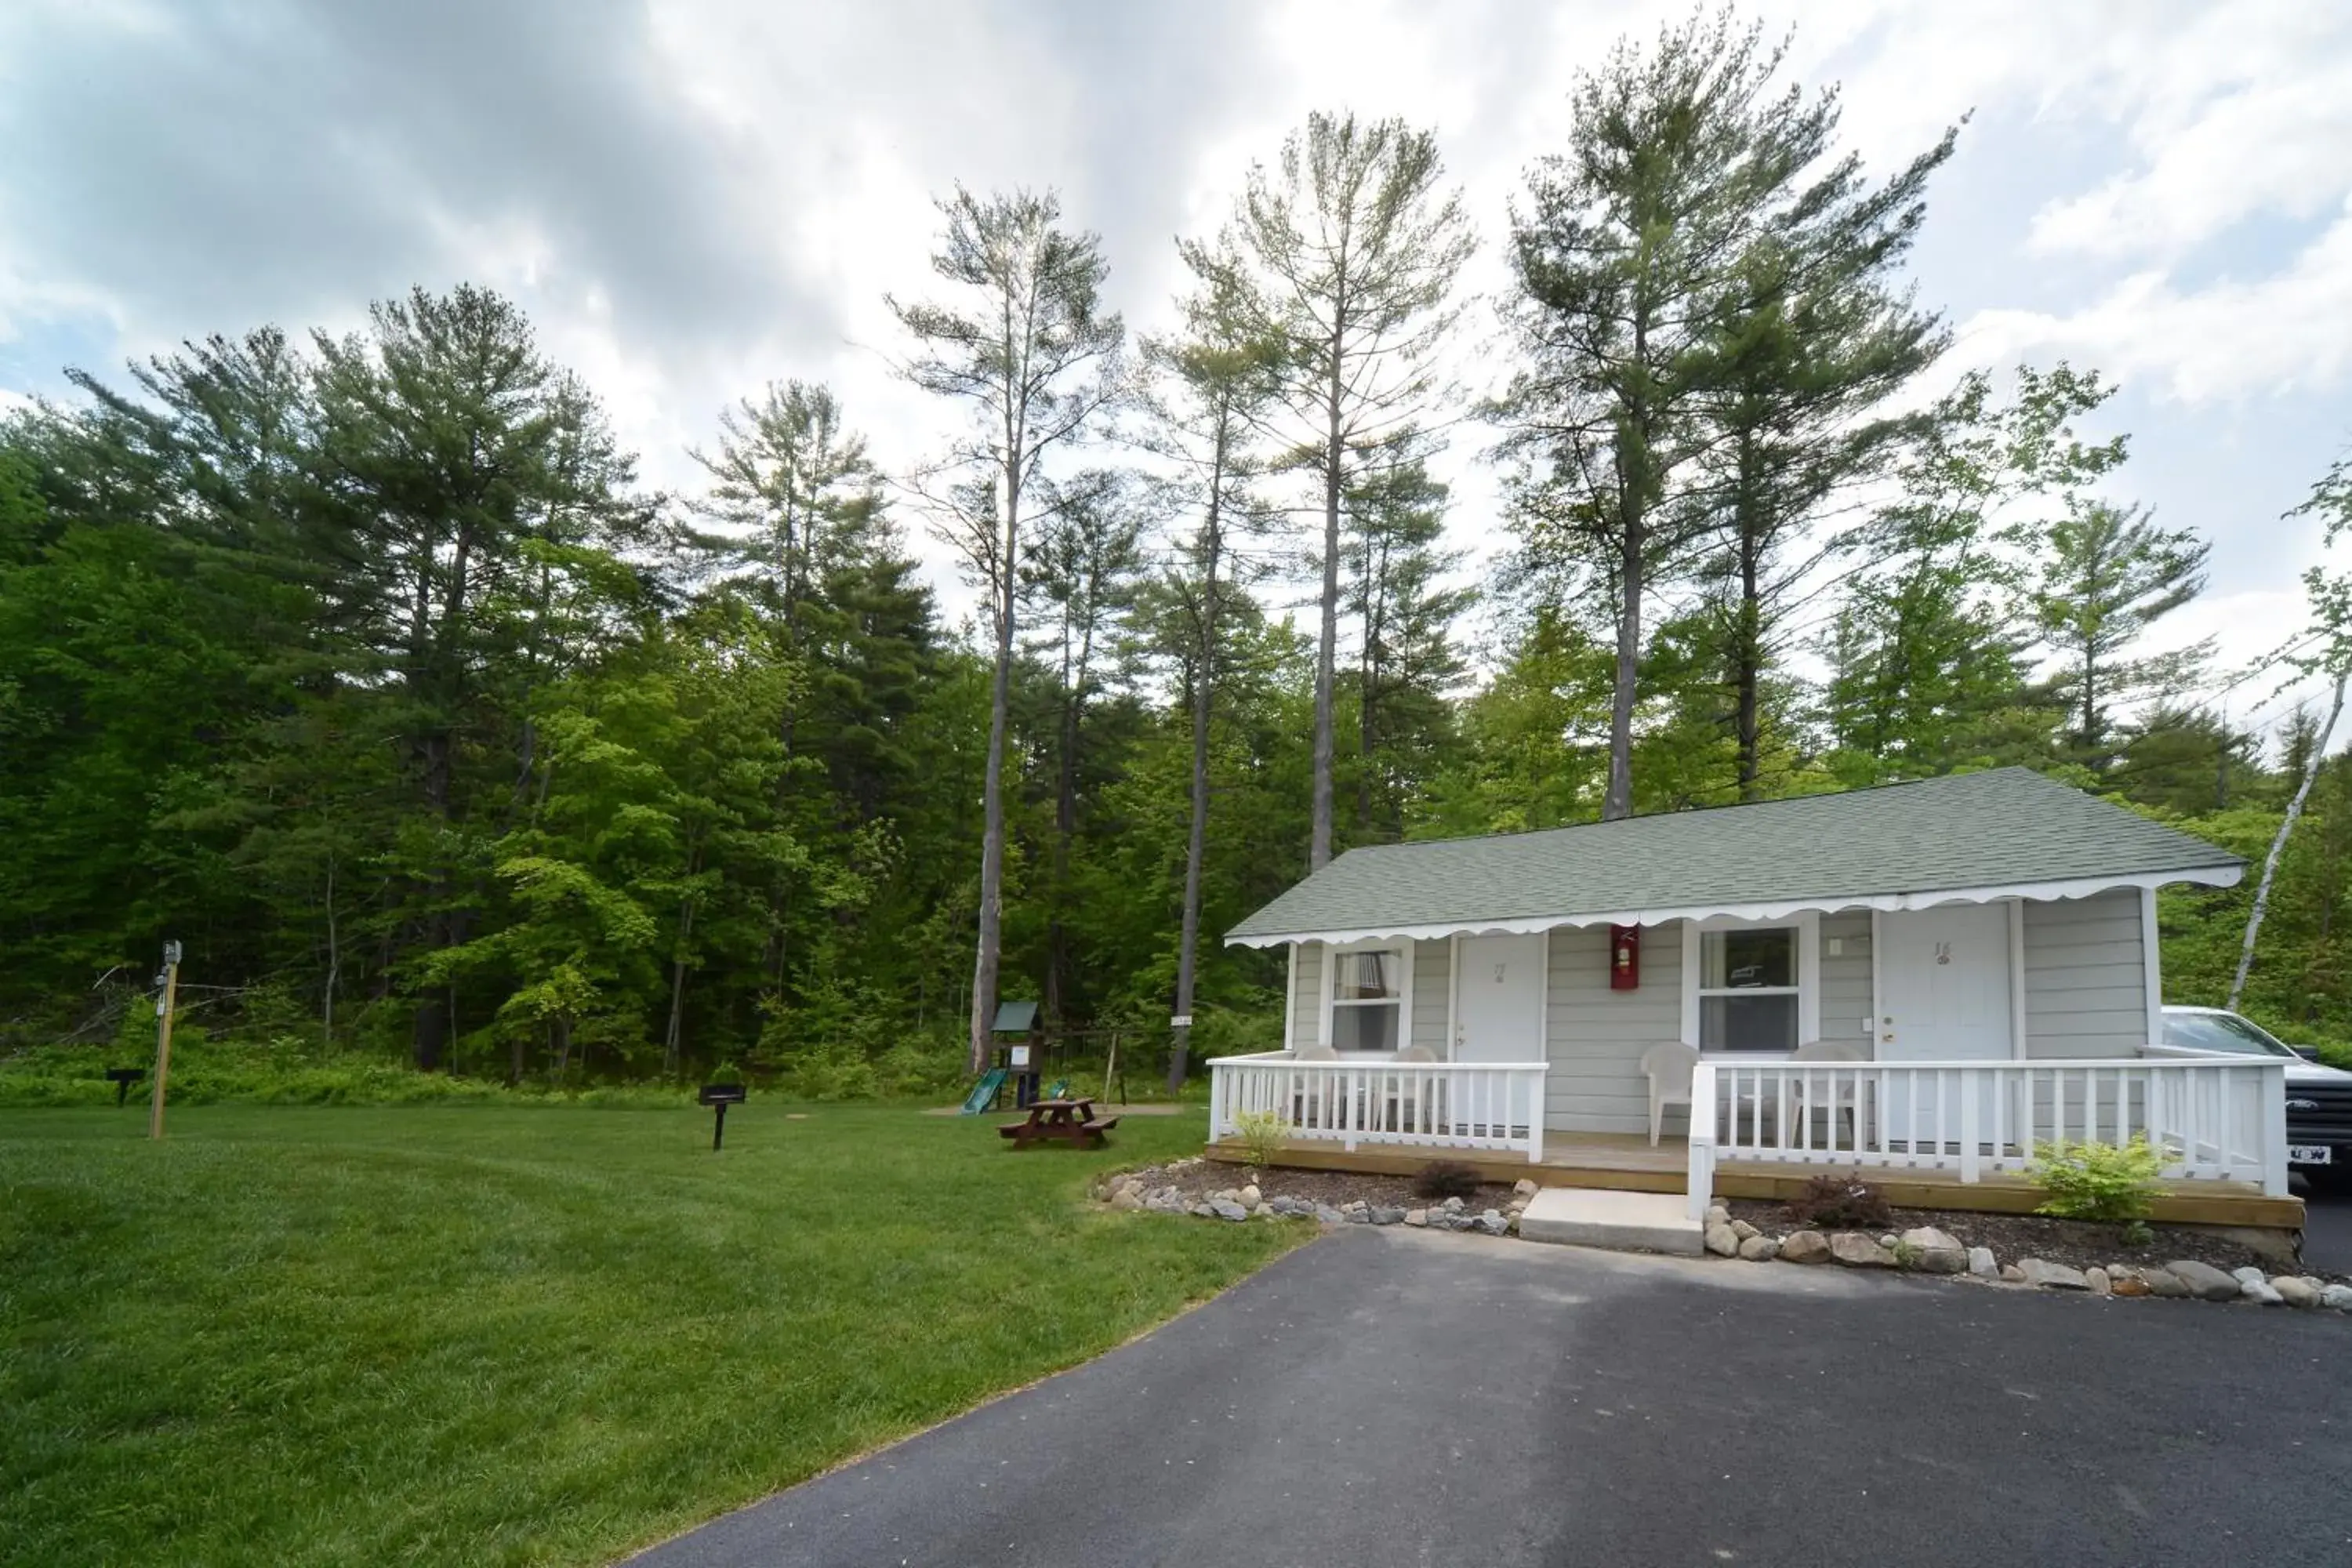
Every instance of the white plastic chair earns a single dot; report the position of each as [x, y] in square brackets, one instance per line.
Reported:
[1405, 1106]
[1842, 1093]
[1307, 1107]
[1669, 1065]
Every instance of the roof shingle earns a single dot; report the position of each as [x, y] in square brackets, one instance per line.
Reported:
[1998, 828]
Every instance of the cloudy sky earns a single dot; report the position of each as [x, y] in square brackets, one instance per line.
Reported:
[693, 196]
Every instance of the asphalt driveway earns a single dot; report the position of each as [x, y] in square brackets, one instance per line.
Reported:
[1392, 1397]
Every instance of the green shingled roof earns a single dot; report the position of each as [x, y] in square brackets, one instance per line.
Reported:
[1970, 830]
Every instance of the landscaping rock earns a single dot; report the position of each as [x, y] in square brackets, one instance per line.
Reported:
[1225, 1208]
[1388, 1216]
[1453, 1205]
[2205, 1282]
[2260, 1292]
[1856, 1251]
[2295, 1290]
[1493, 1224]
[1743, 1230]
[1250, 1197]
[1524, 1188]
[1981, 1264]
[1326, 1214]
[1759, 1249]
[2098, 1280]
[1717, 1214]
[1203, 1211]
[2165, 1283]
[2250, 1275]
[2337, 1296]
[1723, 1241]
[2051, 1275]
[1939, 1251]
[1417, 1217]
[1804, 1246]
[2126, 1281]
[2011, 1274]
[1124, 1198]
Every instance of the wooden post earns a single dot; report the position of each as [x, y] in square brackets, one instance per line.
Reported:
[163, 1036]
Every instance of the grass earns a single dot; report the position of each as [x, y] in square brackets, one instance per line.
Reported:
[462, 1335]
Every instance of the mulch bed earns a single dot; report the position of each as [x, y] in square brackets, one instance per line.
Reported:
[1197, 1179]
[2077, 1243]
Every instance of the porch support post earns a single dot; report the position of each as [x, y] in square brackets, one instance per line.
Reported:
[2272, 1083]
[1700, 1181]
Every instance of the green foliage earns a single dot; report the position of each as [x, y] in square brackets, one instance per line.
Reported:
[1262, 1132]
[2099, 1181]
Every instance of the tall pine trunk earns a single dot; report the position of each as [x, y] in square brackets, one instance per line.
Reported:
[1196, 843]
[1619, 800]
[1326, 652]
[1748, 663]
[992, 843]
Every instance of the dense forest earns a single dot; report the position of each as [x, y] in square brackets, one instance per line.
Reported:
[367, 666]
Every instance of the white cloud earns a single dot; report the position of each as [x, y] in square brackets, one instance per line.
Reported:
[2289, 332]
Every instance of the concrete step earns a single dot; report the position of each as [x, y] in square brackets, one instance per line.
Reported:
[1623, 1222]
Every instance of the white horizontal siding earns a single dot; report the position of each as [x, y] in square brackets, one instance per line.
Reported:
[1846, 1003]
[2086, 990]
[1594, 1037]
[1432, 971]
[1305, 993]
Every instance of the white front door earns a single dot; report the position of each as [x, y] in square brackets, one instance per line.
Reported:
[1499, 999]
[1943, 980]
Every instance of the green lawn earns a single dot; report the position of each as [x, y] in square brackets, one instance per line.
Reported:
[467, 1335]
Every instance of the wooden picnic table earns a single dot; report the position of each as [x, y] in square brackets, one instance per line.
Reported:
[1071, 1121]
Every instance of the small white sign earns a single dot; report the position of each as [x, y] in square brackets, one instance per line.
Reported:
[1181, 1021]
[1021, 1056]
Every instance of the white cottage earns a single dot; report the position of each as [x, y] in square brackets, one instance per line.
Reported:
[1933, 976]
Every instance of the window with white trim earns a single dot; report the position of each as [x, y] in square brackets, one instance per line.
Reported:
[1747, 989]
[1367, 999]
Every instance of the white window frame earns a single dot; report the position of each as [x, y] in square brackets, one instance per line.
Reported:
[1807, 924]
[1402, 948]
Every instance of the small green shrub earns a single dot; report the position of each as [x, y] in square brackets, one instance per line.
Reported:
[1842, 1202]
[1262, 1133]
[2102, 1181]
[2139, 1233]
[1443, 1179]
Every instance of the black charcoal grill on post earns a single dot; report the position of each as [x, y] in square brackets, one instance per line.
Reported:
[719, 1097]
[122, 1079]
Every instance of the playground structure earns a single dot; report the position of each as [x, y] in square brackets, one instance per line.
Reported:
[1039, 1063]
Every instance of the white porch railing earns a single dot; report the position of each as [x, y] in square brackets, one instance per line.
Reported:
[2216, 1118]
[1438, 1105]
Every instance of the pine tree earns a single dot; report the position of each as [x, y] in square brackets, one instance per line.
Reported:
[2108, 574]
[1037, 360]
[1345, 256]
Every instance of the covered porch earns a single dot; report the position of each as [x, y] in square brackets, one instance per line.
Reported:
[1955, 1135]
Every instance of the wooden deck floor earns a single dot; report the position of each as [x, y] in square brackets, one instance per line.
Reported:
[1624, 1162]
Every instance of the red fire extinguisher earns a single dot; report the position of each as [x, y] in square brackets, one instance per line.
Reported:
[1625, 958]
